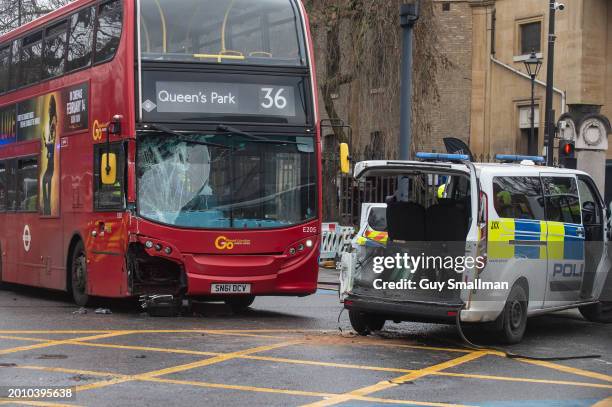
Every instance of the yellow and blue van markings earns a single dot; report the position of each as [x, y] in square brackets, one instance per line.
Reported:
[510, 238]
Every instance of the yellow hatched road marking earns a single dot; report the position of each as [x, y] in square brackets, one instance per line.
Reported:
[63, 342]
[524, 380]
[228, 386]
[355, 341]
[604, 403]
[383, 385]
[567, 369]
[309, 363]
[188, 366]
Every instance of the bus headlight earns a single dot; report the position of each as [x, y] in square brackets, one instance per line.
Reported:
[308, 243]
[149, 244]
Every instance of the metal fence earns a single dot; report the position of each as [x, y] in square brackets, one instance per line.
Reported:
[343, 196]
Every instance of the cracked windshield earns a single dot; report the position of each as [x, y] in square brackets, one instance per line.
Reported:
[226, 181]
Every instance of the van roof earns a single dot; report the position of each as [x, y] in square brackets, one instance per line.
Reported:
[396, 167]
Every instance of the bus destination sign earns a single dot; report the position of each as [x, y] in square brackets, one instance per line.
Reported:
[200, 97]
[222, 98]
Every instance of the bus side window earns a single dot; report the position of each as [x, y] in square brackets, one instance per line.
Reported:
[11, 185]
[3, 187]
[27, 183]
[31, 58]
[54, 51]
[80, 39]
[5, 59]
[109, 197]
[15, 64]
[108, 32]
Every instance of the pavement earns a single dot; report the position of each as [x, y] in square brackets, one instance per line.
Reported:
[288, 352]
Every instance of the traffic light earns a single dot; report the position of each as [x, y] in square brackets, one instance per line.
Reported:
[567, 156]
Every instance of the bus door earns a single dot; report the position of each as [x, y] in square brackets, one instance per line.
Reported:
[565, 240]
[13, 245]
[29, 238]
[106, 244]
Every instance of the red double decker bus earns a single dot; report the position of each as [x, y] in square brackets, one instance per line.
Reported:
[161, 148]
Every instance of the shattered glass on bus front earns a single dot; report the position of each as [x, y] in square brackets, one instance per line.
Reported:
[229, 184]
[263, 32]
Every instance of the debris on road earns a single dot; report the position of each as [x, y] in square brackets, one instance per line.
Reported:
[104, 311]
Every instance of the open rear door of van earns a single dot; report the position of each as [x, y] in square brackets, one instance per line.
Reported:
[414, 273]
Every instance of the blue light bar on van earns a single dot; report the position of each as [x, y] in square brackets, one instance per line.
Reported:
[519, 158]
[443, 157]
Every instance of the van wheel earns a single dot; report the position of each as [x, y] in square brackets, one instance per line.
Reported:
[514, 316]
[600, 312]
[240, 304]
[78, 272]
[364, 323]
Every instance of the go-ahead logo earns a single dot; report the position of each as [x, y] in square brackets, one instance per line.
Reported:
[223, 243]
[98, 130]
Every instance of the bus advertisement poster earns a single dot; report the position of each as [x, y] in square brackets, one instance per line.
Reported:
[40, 118]
[8, 132]
[76, 102]
[49, 154]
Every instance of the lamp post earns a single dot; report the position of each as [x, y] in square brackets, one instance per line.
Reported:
[19, 13]
[550, 68]
[532, 65]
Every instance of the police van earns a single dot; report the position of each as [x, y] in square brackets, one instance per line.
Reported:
[463, 242]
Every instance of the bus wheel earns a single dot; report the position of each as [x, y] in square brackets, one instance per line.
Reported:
[240, 304]
[514, 316]
[364, 323]
[78, 271]
[600, 312]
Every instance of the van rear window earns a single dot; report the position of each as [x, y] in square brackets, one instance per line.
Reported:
[518, 197]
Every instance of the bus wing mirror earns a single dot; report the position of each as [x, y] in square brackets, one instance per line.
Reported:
[345, 164]
[108, 168]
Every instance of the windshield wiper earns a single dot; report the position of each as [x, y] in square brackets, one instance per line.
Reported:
[181, 136]
[255, 139]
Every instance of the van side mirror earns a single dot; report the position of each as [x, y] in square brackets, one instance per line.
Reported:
[108, 169]
[345, 164]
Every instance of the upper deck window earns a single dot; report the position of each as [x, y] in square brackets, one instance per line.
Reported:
[80, 39]
[5, 61]
[55, 50]
[108, 33]
[266, 32]
[31, 58]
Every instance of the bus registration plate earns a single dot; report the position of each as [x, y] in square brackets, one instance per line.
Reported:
[230, 288]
